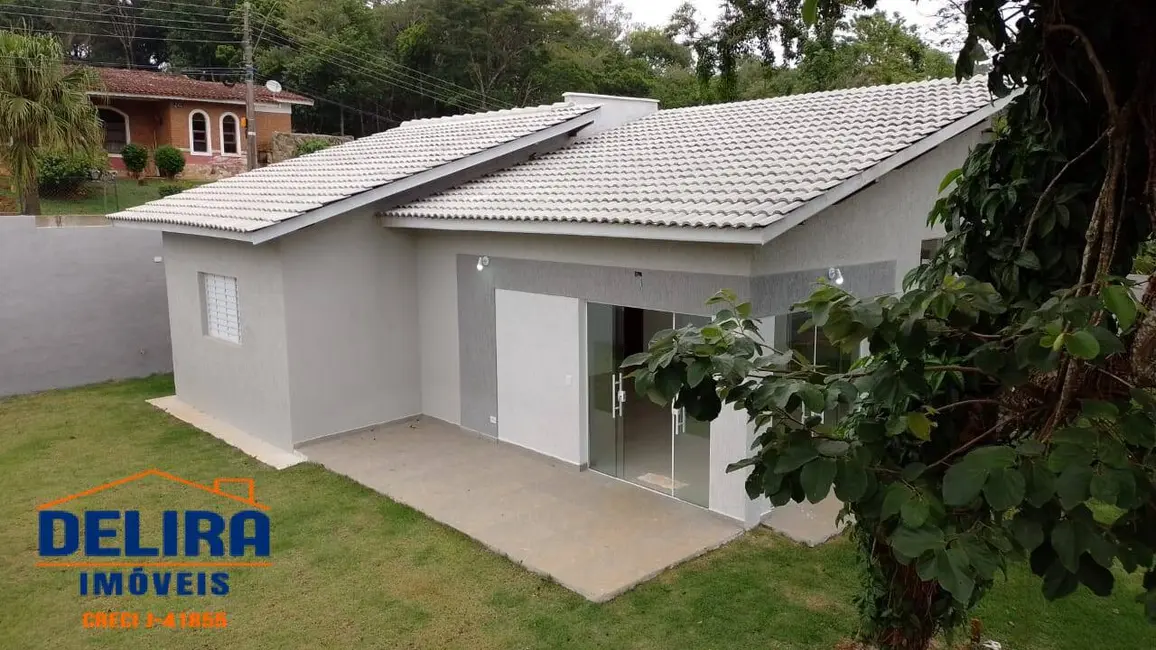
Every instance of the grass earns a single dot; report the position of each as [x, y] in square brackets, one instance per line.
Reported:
[352, 569]
[101, 198]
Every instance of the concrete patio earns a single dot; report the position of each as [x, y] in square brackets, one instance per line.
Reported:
[592, 534]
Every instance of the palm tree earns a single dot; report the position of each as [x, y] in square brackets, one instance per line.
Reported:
[44, 105]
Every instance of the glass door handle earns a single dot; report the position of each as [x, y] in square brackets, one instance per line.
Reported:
[617, 395]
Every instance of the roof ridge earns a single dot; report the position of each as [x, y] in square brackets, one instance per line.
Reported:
[518, 110]
[821, 93]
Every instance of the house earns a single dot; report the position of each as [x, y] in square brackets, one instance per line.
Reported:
[201, 118]
[492, 270]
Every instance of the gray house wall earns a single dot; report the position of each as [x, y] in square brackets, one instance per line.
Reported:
[245, 385]
[351, 321]
[79, 305]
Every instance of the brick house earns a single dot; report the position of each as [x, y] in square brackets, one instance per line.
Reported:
[201, 118]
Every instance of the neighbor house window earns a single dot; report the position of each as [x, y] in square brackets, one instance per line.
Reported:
[813, 345]
[221, 317]
[115, 129]
[198, 132]
[229, 135]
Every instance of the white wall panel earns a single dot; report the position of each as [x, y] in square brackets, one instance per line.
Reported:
[539, 373]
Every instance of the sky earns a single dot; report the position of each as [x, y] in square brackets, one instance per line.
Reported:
[657, 12]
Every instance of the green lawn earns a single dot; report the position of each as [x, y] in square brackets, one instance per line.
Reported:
[103, 198]
[351, 569]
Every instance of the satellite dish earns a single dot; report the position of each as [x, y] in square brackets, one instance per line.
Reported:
[273, 86]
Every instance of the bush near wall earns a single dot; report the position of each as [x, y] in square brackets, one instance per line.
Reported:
[169, 161]
[64, 174]
[135, 158]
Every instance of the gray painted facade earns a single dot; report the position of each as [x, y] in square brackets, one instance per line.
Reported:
[347, 324]
[79, 305]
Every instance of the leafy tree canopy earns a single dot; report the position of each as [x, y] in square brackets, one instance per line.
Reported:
[1005, 406]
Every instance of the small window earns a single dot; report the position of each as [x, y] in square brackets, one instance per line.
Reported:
[199, 132]
[115, 130]
[221, 317]
[928, 248]
[229, 133]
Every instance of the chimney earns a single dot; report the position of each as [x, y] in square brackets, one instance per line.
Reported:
[614, 111]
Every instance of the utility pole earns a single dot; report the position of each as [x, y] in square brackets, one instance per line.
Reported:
[250, 113]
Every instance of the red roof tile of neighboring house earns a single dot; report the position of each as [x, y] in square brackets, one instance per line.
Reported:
[119, 82]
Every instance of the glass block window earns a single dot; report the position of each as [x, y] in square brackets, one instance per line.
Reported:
[222, 320]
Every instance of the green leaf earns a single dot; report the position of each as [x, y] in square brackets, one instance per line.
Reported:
[636, 359]
[1139, 430]
[1119, 301]
[1065, 541]
[1104, 487]
[796, 456]
[1004, 488]
[1041, 484]
[914, 512]
[992, 457]
[1082, 344]
[851, 481]
[963, 482]
[951, 569]
[1100, 409]
[1096, 577]
[810, 12]
[1027, 532]
[897, 495]
[913, 471]
[698, 369]
[919, 425]
[832, 448]
[1059, 582]
[668, 381]
[1072, 485]
[949, 179]
[816, 479]
[913, 542]
[1028, 260]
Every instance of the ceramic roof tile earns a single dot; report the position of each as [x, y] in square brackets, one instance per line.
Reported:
[743, 164]
[115, 81]
[263, 197]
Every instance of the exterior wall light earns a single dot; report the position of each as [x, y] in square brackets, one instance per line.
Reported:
[835, 275]
[483, 262]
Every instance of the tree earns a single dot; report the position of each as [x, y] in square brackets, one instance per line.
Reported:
[1006, 409]
[44, 105]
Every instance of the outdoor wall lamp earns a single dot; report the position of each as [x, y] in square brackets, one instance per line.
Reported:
[483, 262]
[835, 275]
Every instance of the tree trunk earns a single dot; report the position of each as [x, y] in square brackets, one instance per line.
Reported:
[901, 586]
[32, 201]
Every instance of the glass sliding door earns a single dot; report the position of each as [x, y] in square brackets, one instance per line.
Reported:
[604, 356]
[690, 457]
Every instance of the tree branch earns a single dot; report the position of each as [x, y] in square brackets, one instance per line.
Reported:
[966, 402]
[1051, 188]
[970, 443]
[1105, 81]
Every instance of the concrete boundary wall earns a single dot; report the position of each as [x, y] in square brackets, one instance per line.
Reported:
[79, 305]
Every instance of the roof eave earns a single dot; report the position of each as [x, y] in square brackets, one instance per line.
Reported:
[878, 170]
[122, 95]
[699, 234]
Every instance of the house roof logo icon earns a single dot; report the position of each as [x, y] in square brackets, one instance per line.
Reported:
[216, 488]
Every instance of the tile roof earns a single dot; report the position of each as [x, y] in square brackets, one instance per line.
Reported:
[117, 81]
[743, 164]
[269, 195]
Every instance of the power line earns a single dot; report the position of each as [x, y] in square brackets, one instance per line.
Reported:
[417, 75]
[143, 13]
[317, 95]
[408, 85]
[135, 23]
[187, 8]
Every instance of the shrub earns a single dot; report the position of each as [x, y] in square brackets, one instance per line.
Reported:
[168, 189]
[169, 161]
[62, 173]
[135, 158]
[311, 146]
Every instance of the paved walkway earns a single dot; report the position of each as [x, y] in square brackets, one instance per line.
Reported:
[593, 534]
